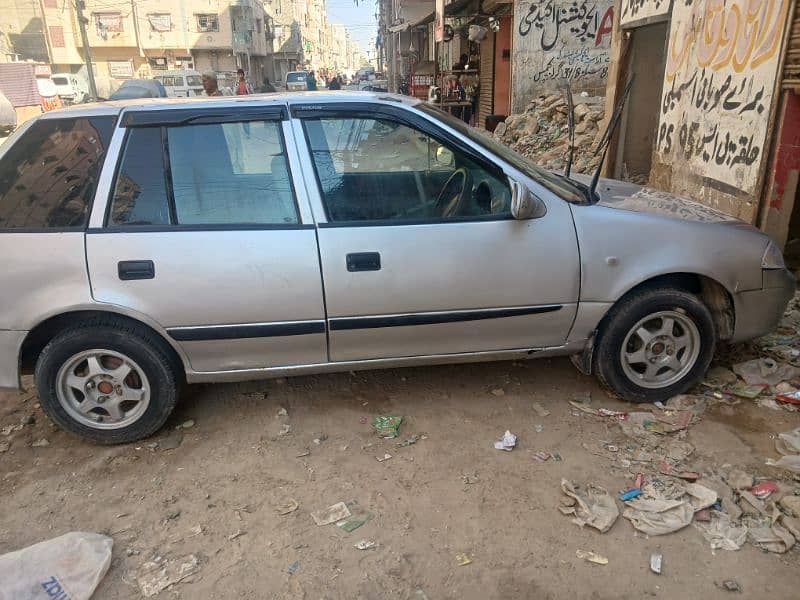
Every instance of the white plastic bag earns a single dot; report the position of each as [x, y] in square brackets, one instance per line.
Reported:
[68, 567]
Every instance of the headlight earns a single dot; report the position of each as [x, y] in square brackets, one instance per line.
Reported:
[772, 259]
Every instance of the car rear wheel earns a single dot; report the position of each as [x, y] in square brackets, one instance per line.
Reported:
[108, 382]
[655, 344]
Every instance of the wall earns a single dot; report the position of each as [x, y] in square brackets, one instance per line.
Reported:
[634, 12]
[717, 97]
[559, 40]
[502, 67]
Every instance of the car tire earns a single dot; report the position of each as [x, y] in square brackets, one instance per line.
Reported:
[655, 344]
[107, 381]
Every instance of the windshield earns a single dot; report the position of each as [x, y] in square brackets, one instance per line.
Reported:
[563, 187]
[60, 80]
[194, 80]
[296, 77]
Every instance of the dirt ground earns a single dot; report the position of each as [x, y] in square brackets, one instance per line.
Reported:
[215, 495]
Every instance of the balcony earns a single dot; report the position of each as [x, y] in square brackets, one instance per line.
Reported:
[242, 40]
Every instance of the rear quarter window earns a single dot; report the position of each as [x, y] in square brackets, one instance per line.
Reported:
[48, 178]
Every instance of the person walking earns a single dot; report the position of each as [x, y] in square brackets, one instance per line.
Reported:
[311, 82]
[242, 87]
[335, 84]
[268, 87]
[210, 84]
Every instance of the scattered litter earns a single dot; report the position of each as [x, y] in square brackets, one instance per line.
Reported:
[703, 515]
[720, 377]
[790, 463]
[593, 506]
[507, 443]
[540, 410]
[282, 412]
[157, 575]
[412, 440]
[739, 480]
[233, 536]
[469, 479]
[28, 420]
[171, 441]
[731, 586]
[789, 398]
[542, 456]
[329, 515]
[538, 428]
[666, 468]
[584, 398]
[188, 424]
[303, 454]
[791, 504]
[765, 371]
[288, 506]
[721, 532]
[358, 517]
[4, 446]
[319, 438]
[639, 480]
[610, 447]
[383, 458]
[463, 560]
[657, 516]
[788, 442]
[42, 443]
[764, 490]
[772, 539]
[630, 494]
[607, 412]
[750, 504]
[498, 392]
[678, 450]
[751, 392]
[584, 408]
[293, 567]
[363, 420]
[387, 426]
[656, 560]
[365, 545]
[9, 429]
[71, 565]
[286, 429]
[591, 557]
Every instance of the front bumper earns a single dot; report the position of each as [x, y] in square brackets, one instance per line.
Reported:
[10, 344]
[758, 312]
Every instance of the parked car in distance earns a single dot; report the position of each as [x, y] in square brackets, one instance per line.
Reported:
[8, 116]
[181, 84]
[203, 240]
[139, 88]
[72, 88]
[297, 81]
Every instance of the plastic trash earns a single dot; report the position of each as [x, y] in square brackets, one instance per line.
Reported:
[722, 533]
[387, 426]
[788, 442]
[159, 574]
[69, 566]
[507, 443]
[656, 560]
[591, 557]
[658, 517]
[765, 371]
[329, 515]
[593, 506]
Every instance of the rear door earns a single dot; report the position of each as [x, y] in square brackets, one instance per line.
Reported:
[413, 267]
[205, 234]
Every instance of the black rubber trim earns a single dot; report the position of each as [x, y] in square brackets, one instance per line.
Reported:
[199, 116]
[235, 332]
[349, 323]
[401, 222]
[180, 228]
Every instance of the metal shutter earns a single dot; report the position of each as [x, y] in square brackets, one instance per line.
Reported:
[486, 77]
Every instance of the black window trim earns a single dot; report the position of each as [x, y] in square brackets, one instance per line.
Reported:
[169, 117]
[90, 205]
[367, 110]
[174, 225]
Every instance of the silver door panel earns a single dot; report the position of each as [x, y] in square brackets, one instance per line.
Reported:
[589, 315]
[528, 331]
[254, 353]
[44, 275]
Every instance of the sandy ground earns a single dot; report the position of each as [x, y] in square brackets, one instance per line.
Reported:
[215, 495]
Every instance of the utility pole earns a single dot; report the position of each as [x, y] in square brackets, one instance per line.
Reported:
[87, 53]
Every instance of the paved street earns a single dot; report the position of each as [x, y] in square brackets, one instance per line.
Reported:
[217, 494]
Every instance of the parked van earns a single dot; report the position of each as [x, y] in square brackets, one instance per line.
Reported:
[297, 81]
[181, 84]
[72, 88]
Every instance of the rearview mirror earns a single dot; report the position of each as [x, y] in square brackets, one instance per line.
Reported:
[524, 204]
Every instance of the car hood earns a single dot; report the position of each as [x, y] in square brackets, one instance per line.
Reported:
[637, 198]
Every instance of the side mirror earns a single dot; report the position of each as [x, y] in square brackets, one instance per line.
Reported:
[445, 157]
[524, 204]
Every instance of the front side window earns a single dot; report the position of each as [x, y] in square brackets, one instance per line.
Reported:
[207, 22]
[48, 177]
[217, 174]
[378, 169]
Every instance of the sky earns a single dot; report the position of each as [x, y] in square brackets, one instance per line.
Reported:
[359, 20]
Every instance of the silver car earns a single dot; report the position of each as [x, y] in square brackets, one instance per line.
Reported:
[154, 242]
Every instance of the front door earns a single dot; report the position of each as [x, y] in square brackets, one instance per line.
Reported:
[420, 254]
[204, 235]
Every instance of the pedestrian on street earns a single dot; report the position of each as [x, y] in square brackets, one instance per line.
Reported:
[268, 87]
[242, 87]
[311, 82]
[335, 84]
[210, 84]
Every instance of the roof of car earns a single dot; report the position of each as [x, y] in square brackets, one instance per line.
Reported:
[114, 107]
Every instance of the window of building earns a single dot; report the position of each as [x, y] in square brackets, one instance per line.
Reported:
[57, 36]
[220, 174]
[379, 169]
[48, 177]
[207, 22]
[106, 23]
[160, 22]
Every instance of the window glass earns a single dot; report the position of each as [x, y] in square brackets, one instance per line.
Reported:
[377, 169]
[194, 80]
[140, 192]
[231, 173]
[48, 177]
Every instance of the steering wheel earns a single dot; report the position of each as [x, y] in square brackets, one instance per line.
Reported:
[454, 194]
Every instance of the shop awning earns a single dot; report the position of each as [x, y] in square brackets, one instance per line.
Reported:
[459, 8]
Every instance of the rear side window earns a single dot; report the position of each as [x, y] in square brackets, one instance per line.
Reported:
[49, 176]
[218, 174]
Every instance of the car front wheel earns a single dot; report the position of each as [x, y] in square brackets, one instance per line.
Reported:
[108, 382]
[654, 345]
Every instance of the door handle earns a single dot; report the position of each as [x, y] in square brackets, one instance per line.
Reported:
[129, 270]
[363, 261]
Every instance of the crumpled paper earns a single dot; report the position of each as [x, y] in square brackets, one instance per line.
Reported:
[593, 506]
[507, 443]
[722, 533]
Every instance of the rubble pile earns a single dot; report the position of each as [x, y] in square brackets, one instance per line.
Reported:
[541, 133]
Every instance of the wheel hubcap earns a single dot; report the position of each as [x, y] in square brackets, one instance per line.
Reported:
[103, 389]
[660, 349]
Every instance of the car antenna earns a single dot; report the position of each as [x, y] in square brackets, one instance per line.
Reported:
[605, 141]
[571, 126]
